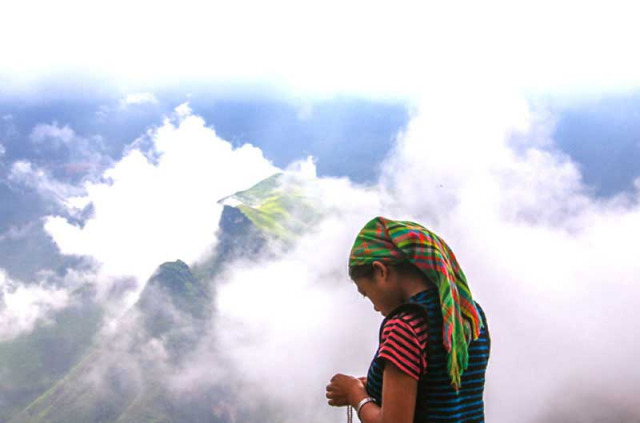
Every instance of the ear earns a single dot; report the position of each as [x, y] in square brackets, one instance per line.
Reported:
[380, 270]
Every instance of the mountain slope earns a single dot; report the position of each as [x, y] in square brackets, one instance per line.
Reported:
[34, 362]
[277, 206]
[123, 369]
[125, 376]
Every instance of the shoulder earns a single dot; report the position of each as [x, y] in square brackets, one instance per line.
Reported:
[407, 322]
[403, 339]
[408, 315]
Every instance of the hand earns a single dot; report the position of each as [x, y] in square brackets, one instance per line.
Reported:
[344, 390]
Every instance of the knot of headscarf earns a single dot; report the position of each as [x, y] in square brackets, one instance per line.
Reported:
[392, 242]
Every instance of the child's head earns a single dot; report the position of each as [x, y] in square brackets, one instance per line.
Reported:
[387, 285]
[383, 242]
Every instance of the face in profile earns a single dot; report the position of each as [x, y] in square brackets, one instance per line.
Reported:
[382, 288]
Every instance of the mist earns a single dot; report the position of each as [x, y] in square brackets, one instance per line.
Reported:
[549, 261]
[552, 266]
[23, 306]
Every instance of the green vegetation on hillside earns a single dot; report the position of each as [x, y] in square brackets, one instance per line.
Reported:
[277, 205]
[33, 362]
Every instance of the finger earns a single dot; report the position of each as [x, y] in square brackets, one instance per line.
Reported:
[334, 402]
[337, 376]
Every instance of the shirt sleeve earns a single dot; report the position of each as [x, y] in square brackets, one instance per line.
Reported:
[403, 344]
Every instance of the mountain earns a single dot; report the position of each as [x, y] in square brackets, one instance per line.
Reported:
[33, 362]
[121, 378]
[262, 220]
[126, 375]
[174, 306]
[277, 206]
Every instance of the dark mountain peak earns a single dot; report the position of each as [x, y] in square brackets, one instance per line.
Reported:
[173, 298]
[176, 278]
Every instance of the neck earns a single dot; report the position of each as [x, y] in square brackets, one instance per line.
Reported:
[415, 285]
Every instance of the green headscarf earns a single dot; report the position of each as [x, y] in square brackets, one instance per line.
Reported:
[392, 242]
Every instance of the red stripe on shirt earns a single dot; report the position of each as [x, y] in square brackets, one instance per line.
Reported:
[402, 345]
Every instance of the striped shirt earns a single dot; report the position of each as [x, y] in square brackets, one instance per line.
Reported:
[418, 352]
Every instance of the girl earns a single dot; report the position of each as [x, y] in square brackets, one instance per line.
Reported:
[434, 340]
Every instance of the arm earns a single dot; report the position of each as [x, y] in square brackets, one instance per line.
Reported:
[399, 392]
[401, 348]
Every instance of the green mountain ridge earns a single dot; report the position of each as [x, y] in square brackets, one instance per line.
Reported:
[277, 205]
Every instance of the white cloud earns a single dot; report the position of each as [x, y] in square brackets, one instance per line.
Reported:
[53, 133]
[139, 98]
[24, 172]
[151, 212]
[183, 110]
[3, 150]
[83, 155]
[23, 306]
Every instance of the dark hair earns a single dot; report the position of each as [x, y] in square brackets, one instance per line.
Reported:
[366, 270]
[361, 271]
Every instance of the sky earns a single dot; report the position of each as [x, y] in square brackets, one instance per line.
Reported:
[354, 47]
[510, 128]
